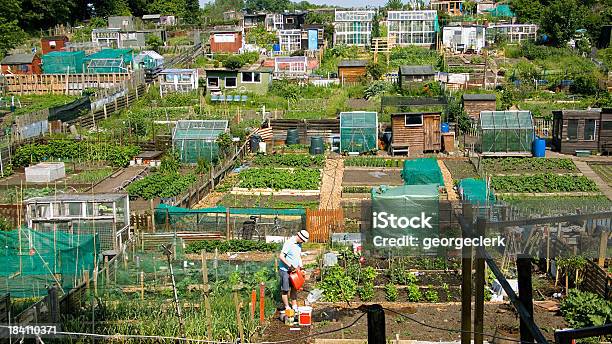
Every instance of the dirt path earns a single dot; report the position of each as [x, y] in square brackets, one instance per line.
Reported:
[448, 182]
[210, 200]
[331, 184]
[589, 173]
[118, 180]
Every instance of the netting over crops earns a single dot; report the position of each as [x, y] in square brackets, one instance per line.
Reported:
[476, 191]
[109, 61]
[63, 62]
[358, 131]
[505, 132]
[196, 140]
[214, 220]
[31, 260]
[422, 171]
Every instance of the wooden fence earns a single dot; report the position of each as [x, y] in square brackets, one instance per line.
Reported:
[596, 280]
[22, 84]
[320, 223]
[5, 308]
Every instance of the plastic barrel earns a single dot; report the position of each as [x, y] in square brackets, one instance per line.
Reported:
[293, 137]
[444, 127]
[539, 148]
[254, 141]
[386, 137]
[316, 145]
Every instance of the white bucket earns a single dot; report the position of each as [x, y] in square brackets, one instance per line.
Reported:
[305, 315]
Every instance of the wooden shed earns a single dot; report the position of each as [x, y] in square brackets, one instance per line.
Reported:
[352, 70]
[576, 130]
[53, 43]
[21, 64]
[408, 75]
[226, 40]
[415, 132]
[474, 103]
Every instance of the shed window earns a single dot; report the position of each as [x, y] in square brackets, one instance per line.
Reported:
[590, 129]
[213, 81]
[230, 82]
[251, 77]
[290, 20]
[52, 44]
[606, 125]
[414, 120]
[572, 129]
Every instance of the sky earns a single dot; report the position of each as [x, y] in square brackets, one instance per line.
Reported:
[345, 3]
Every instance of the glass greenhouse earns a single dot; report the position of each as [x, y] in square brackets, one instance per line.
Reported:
[505, 133]
[198, 139]
[358, 132]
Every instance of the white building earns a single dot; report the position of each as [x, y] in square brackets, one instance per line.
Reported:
[412, 27]
[290, 40]
[353, 27]
[463, 38]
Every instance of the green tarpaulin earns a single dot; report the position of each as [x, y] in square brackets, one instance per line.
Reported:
[475, 191]
[422, 171]
[502, 10]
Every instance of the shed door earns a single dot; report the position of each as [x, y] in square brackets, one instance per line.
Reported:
[431, 130]
[313, 39]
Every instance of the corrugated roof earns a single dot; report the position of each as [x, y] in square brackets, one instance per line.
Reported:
[353, 63]
[110, 197]
[151, 16]
[479, 96]
[417, 70]
[17, 59]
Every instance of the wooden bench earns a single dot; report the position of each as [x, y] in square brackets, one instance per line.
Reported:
[399, 148]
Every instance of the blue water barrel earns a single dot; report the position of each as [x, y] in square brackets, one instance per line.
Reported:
[276, 47]
[539, 147]
[254, 141]
[444, 127]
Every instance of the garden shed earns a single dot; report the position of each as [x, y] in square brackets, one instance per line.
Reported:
[575, 130]
[505, 133]
[422, 171]
[408, 75]
[352, 70]
[53, 43]
[197, 139]
[474, 103]
[109, 61]
[63, 62]
[107, 215]
[21, 64]
[415, 132]
[178, 80]
[358, 132]
[148, 59]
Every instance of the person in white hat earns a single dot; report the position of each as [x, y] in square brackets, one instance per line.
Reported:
[291, 259]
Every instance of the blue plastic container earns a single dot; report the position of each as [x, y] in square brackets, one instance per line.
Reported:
[444, 127]
[539, 147]
[276, 47]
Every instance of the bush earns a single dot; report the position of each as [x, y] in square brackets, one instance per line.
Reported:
[337, 285]
[584, 309]
[366, 292]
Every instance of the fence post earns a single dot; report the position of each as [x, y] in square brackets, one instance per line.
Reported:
[376, 325]
[53, 304]
[479, 284]
[466, 283]
[523, 267]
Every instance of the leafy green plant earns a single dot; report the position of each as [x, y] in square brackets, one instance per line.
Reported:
[116, 155]
[431, 295]
[234, 245]
[446, 290]
[298, 179]
[337, 285]
[160, 185]
[391, 293]
[414, 293]
[399, 275]
[540, 183]
[584, 309]
[289, 160]
[366, 292]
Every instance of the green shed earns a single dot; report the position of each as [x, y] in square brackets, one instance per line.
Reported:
[63, 62]
[109, 61]
[358, 132]
[422, 171]
[197, 139]
[505, 133]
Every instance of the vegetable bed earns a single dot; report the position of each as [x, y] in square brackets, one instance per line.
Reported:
[289, 160]
[373, 162]
[235, 245]
[543, 183]
[528, 165]
[269, 201]
[557, 205]
[604, 171]
[460, 169]
[161, 185]
[297, 179]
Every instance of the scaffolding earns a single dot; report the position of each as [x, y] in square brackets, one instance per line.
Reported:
[505, 133]
[358, 132]
[413, 27]
[197, 139]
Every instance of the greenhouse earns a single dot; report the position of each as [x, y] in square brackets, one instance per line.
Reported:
[197, 139]
[422, 171]
[148, 59]
[109, 61]
[63, 62]
[505, 133]
[358, 132]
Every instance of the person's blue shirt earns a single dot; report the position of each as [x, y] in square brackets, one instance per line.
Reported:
[292, 251]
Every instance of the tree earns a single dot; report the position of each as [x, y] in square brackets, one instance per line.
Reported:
[375, 70]
[37, 14]
[561, 19]
[168, 7]
[528, 11]
[10, 33]
[192, 10]
[585, 84]
[260, 36]
[394, 5]
[153, 42]
[469, 7]
[267, 5]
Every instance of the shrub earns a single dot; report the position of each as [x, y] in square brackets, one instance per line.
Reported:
[584, 309]
[337, 285]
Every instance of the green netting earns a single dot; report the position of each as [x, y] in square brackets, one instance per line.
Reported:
[196, 140]
[63, 62]
[407, 201]
[422, 171]
[502, 10]
[214, 220]
[32, 260]
[475, 191]
[109, 61]
[506, 132]
[358, 132]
